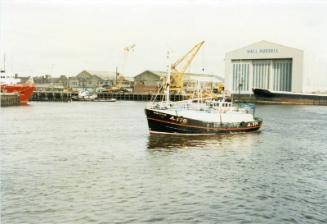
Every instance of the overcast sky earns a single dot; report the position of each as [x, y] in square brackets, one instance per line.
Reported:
[66, 36]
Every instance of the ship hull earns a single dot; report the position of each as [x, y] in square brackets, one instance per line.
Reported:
[267, 96]
[25, 91]
[167, 123]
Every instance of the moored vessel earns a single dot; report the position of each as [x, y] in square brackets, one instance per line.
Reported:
[106, 100]
[280, 97]
[11, 84]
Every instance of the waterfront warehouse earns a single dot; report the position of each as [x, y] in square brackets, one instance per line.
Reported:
[264, 65]
[149, 81]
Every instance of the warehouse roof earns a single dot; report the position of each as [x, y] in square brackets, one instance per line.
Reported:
[104, 75]
[190, 76]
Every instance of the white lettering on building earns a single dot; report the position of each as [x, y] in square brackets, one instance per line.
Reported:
[262, 51]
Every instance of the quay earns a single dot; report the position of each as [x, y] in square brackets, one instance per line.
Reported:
[292, 99]
[139, 96]
[246, 98]
[51, 96]
[9, 99]
[289, 99]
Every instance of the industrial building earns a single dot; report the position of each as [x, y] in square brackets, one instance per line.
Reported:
[87, 79]
[264, 65]
[150, 81]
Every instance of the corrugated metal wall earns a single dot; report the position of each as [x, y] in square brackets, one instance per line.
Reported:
[261, 74]
[282, 70]
[241, 76]
[266, 74]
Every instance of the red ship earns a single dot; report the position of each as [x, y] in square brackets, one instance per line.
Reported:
[11, 84]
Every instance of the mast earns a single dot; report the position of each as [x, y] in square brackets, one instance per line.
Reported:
[168, 85]
[169, 67]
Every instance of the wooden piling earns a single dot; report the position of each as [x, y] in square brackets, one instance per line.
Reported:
[50, 96]
[9, 99]
[138, 96]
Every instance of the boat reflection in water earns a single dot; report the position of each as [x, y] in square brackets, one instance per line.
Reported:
[171, 142]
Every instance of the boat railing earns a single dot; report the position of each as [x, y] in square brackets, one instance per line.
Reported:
[210, 107]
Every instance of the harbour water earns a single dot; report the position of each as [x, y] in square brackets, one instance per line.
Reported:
[95, 162]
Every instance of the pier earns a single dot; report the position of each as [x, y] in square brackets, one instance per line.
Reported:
[290, 99]
[51, 96]
[9, 99]
[139, 96]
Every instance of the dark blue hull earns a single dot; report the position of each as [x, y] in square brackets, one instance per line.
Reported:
[266, 96]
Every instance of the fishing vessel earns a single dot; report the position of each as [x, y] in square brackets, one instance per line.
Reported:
[11, 84]
[199, 116]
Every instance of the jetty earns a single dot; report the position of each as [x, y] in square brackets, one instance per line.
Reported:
[282, 99]
[9, 99]
[51, 96]
[140, 96]
[55, 96]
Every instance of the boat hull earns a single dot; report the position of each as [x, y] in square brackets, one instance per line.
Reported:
[267, 96]
[25, 91]
[167, 123]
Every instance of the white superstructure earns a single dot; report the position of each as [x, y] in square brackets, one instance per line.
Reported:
[8, 79]
[211, 111]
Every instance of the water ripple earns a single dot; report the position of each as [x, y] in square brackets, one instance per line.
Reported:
[96, 163]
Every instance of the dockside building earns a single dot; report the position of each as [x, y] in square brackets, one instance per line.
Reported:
[150, 81]
[264, 65]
